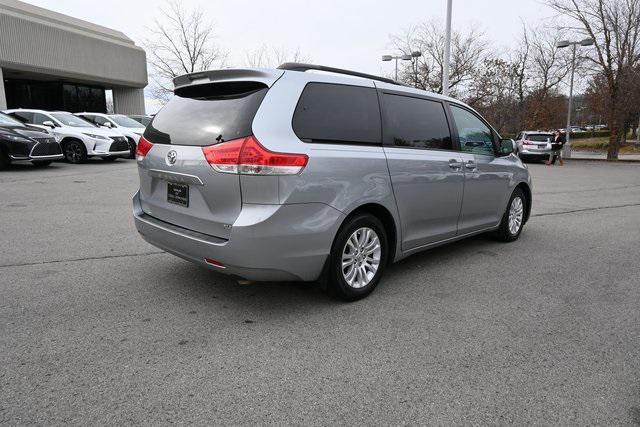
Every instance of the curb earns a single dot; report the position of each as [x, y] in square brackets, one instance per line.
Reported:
[584, 159]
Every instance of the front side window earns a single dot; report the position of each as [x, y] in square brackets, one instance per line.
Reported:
[69, 119]
[417, 123]
[475, 136]
[39, 119]
[334, 113]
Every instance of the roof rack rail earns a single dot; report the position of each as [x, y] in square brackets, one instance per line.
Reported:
[298, 66]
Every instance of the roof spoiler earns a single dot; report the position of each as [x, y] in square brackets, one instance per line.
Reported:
[266, 76]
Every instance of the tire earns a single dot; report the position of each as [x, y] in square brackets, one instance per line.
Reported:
[41, 163]
[507, 231]
[5, 161]
[110, 159]
[365, 280]
[75, 152]
[132, 148]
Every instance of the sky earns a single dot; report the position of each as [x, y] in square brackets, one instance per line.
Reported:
[350, 34]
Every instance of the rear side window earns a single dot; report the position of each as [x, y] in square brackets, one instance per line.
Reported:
[23, 116]
[416, 122]
[207, 114]
[334, 113]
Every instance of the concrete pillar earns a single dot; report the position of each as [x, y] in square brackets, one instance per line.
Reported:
[128, 100]
[3, 96]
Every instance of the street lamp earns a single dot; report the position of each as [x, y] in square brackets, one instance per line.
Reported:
[447, 52]
[562, 44]
[396, 57]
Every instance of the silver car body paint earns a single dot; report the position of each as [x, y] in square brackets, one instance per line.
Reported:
[283, 227]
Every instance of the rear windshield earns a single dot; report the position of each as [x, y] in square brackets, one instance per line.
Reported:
[207, 114]
[538, 137]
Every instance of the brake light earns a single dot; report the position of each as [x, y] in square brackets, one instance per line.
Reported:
[246, 156]
[142, 148]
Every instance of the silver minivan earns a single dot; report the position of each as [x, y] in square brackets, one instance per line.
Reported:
[307, 173]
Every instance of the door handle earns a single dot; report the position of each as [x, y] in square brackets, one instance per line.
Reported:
[471, 165]
[455, 164]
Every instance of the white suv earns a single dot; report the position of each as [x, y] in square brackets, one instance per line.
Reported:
[130, 128]
[78, 138]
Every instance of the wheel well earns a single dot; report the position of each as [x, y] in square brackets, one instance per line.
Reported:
[69, 139]
[387, 220]
[527, 195]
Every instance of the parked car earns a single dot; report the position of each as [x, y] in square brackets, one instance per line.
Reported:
[19, 142]
[320, 175]
[78, 138]
[130, 128]
[534, 145]
[143, 119]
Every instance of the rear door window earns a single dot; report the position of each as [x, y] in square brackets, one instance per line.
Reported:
[207, 114]
[335, 113]
[416, 123]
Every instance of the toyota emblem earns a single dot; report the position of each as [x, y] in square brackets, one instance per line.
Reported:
[172, 156]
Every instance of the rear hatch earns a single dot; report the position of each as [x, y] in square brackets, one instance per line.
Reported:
[177, 184]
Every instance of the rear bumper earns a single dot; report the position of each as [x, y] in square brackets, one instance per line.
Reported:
[535, 155]
[267, 242]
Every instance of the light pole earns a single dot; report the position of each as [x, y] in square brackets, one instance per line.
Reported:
[447, 52]
[562, 44]
[396, 57]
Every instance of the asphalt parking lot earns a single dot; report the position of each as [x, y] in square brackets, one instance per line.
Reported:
[98, 327]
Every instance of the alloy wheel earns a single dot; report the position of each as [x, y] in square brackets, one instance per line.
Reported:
[516, 213]
[361, 257]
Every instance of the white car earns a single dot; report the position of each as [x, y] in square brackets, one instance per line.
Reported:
[78, 138]
[130, 128]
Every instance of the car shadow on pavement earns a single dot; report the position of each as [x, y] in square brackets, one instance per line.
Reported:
[273, 299]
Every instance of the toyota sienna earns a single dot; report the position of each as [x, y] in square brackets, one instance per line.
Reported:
[308, 173]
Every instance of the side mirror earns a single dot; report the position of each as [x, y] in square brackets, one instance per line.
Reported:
[49, 123]
[107, 125]
[506, 146]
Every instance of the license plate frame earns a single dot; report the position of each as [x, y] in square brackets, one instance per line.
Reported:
[178, 194]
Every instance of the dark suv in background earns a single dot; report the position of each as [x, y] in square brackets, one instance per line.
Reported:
[19, 142]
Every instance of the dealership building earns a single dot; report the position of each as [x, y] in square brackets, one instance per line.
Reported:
[52, 61]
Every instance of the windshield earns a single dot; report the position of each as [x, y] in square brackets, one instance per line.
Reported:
[69, 119]
[8, 121]
[539, 137]
[125, 121]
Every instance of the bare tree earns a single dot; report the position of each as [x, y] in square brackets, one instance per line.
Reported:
[181, 42]
[467, 53]
[263, 57]
[615, 27]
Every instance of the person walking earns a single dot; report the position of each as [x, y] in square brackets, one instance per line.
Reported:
[557, 143]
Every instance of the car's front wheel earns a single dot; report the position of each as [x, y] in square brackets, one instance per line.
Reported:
[513, 218]
[358, 258]
[75, 151]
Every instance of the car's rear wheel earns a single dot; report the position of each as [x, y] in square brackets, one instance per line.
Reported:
[358, 258]
[75, 152]
[513, 218]
[41, 163]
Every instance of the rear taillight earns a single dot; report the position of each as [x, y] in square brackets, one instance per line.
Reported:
[247, 156]
[143, 148]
